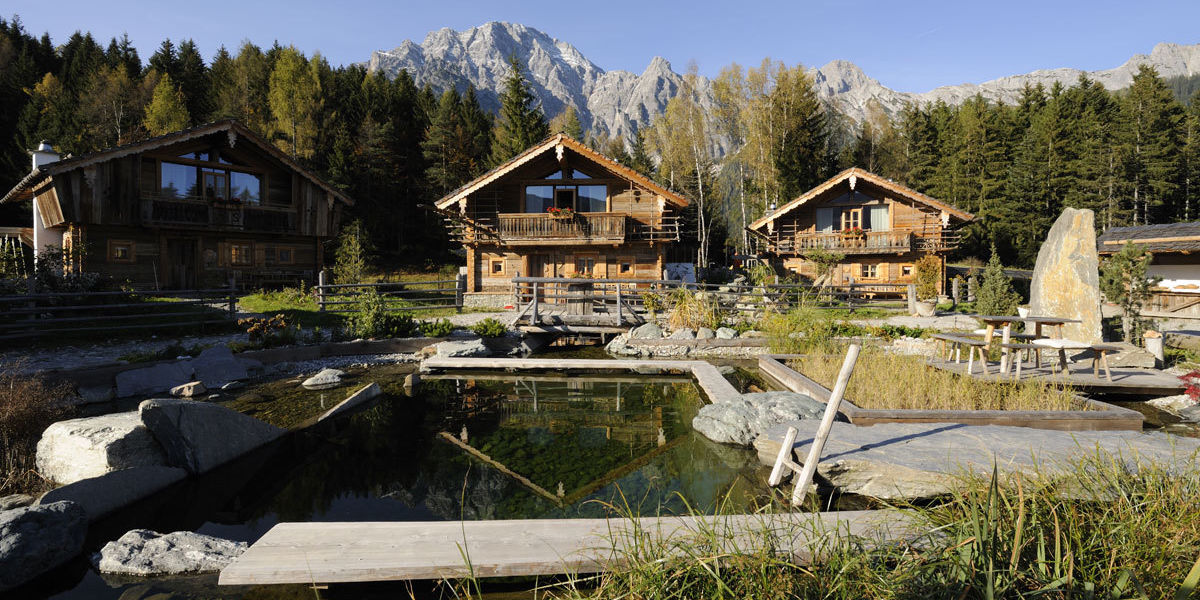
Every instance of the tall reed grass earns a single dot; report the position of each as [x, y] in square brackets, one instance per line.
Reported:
[27, 406]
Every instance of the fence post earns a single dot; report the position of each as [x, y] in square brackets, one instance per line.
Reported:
[321, 290]
[912, 298]
[232, 298]
[533, 314]
[460, 286]
[620, 317]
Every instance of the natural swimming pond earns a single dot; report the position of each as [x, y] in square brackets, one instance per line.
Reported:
[467, 446]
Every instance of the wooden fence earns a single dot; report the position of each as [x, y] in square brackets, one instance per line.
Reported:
[397, 296]
[624, 301]
[65, 313]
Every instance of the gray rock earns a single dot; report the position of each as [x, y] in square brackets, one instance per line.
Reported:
[1066, 278]
[368, 392]
[35, 539]
[101, 496]
[741, 421]
[1182, 406]
[682, 334]
[232, 385]
[704, 333]
[153, 380]
[753, 334]
[189, 390]
[726, 333]
[646, 331]
[464, 348]
[95, 394]
[1131, 356]
[324, 379]
[217, 366]
[923, 460]
[12, 501]
[199, 437]
[92, 446]
[144, 553]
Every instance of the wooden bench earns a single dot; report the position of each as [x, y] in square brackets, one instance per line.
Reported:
[1021, 351]
[1100, 357]
[956, 342]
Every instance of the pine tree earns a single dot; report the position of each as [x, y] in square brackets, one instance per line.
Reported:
[448, 145]
[167, 110]
[193, 80]
[996, 294]
[802, 159]
[122, 53]
[521, 122]
[1190, 159]
[165, 60]
[567, 122]
[479, 130]
[639, 157]
[1124, 282]
[1151, 117]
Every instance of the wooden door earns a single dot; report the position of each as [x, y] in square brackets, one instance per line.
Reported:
[182, 264]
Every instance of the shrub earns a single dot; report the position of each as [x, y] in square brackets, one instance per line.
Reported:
[371, 319]
[438, 328]
[692, 310]
[270, 332]
[1124, 282]
[28, 405]
[490, 328]
[350, 262]
[654, 302]
[996, 294]
[927, 274]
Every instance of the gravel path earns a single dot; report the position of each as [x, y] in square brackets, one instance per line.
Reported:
[76, 356]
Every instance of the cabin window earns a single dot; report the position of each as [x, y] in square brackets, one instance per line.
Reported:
[852, 218]
[245, 187]
[120, 251]
[497, 267]
[575, 174]
[277, 255]
[585, 265]
[869, 271]
[203, 155]
[280, 191]
[539, 198]
[877, 218]
[216, 185]
[906, 270]
[177, 181]
[564, 197]
[825, 220]
[593, 198]
[286, 256]
[625, 267]
[241, 254]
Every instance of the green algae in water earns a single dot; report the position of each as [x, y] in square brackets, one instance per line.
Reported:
[285, 403]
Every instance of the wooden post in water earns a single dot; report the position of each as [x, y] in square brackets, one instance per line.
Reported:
[620, 319]
[831, 411]
[533, 313]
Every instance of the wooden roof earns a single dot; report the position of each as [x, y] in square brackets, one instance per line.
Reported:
[24, 187]
[551, 144]
[1163, 238]
[860, 176]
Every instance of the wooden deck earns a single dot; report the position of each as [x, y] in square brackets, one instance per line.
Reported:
[1134, 382]
[388, 551]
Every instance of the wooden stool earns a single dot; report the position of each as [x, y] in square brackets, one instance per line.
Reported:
[1062, 345]
[1100, 357]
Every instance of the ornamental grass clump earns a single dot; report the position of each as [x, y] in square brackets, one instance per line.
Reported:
[885, 380]
[28, 405]
[691, 310]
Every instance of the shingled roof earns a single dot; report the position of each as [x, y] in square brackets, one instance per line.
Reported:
[1167, 237]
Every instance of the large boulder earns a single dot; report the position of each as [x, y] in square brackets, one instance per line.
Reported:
[216, 366]
[143, 553]
[324, 379]
[704, 333]
[1066, 278]
[726, 333]
[92, 446]
[198, 436]
[462, 349]
[646, 331]
[740, 421]
[103, 495]
[1132, 355]
[35, 539]
[152, 380]
[682, 334]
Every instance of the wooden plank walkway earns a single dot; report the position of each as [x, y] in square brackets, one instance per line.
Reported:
[389, 551]
[1136, 382]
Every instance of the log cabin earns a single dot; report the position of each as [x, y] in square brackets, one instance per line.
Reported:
[1175, 262]
[880, 226]
[198, 208]
[560, 209]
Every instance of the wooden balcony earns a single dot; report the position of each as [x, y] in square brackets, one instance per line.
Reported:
[870, 242]
[201, 214]
[538, 229]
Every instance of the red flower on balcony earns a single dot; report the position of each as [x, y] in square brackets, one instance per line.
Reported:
[854, 232]
[560, 213]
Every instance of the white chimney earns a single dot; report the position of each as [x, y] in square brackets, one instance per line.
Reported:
[44, 155]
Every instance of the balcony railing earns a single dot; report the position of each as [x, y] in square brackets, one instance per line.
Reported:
[579, 228]
[870, 242]
[197, 212]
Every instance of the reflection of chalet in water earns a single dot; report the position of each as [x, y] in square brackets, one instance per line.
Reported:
[880, 226]
[561, 209]
[188, 209]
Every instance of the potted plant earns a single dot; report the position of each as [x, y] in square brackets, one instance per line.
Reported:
[561, 213]
[926, 273]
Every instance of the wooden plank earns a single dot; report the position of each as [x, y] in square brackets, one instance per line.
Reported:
[389, 551]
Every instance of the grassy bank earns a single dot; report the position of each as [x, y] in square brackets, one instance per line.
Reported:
[883, 380]
[1103, 532]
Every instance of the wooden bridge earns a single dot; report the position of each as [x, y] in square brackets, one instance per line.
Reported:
[319, 553]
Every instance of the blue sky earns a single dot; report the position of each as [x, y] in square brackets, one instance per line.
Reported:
[908, 45]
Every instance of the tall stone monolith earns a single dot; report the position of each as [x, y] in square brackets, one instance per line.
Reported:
[1066, 279]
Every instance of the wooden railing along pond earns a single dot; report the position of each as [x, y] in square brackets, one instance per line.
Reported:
[397, 296]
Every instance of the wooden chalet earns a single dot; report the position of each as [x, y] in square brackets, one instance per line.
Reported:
[191, 209]
[1175, 250]
[881, 228]
[560, 209]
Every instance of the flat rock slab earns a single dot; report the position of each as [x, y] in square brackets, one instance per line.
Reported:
[146, 553]
[101, 496]
[324, 379]
[198, 436]
[77, 449]
[910, 461]
[152, 380]
[35, 539]
[217, 366]
[741, 420]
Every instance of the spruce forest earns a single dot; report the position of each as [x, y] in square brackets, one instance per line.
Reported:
[1132, 155]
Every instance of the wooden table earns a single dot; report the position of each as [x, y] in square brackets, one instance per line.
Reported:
[1005, 322]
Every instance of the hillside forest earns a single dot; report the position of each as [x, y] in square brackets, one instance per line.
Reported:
[1131, 155]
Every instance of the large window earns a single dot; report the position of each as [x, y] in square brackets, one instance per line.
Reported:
[874, 217]
[582, 198]
[592, 198]
[245, 187]
[178, 181]
[539, 198]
